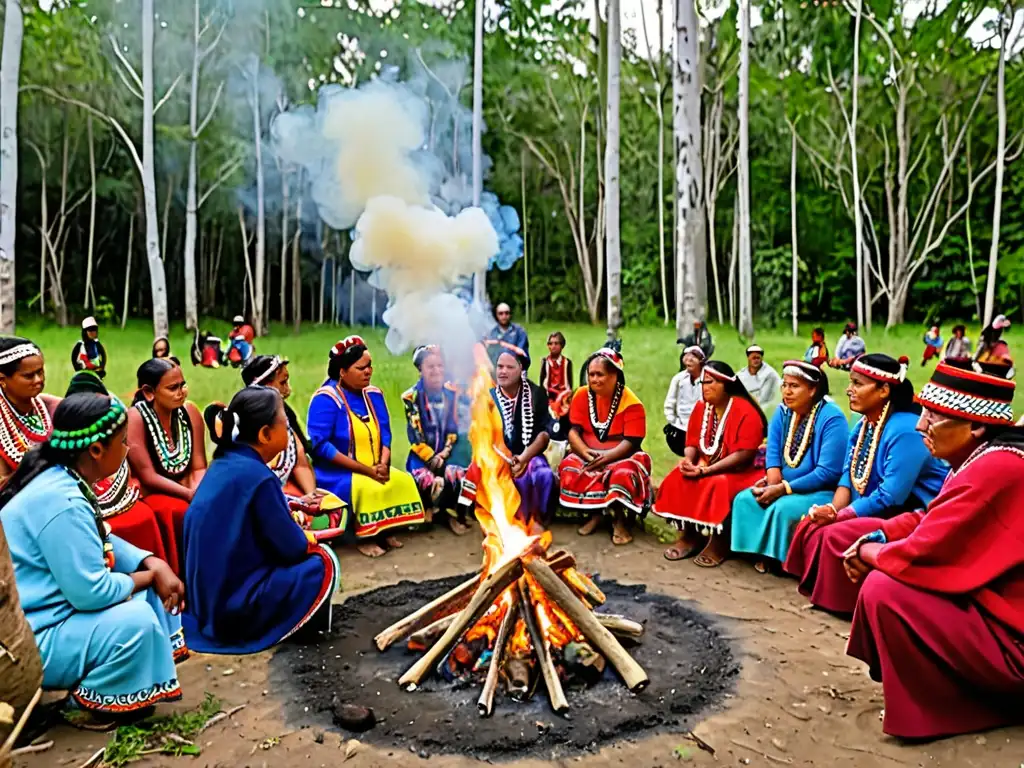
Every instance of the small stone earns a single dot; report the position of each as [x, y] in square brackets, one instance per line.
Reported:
[351, 747]
[227, 672]
[318, 737]
[981, 741]
[779, 744]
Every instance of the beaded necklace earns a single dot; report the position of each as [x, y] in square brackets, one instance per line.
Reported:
[601, 428]
[115, 494]
[18, 432]
[507, 406]
[174, 459]
[283, 464]
[712, 422]
[90, 497]
[800, 430]
[862, 462]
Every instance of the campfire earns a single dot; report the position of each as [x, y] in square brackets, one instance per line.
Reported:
[529, 615]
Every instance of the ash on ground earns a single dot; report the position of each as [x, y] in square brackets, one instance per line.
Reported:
[686, 655]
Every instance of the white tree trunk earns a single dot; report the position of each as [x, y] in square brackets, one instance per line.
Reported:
[10, 68]
[157, 280]
[997, 208]
[746, 310]
[285, 242]
[858, 214]
[793, 233]
[611, 172]
[128, 270]
[480, 279]
[297, 259]
[90, 299]
[261, 252]
[686, 129]
[192, 194]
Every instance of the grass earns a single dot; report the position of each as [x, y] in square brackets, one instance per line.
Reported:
[170, 735]
[651, 356]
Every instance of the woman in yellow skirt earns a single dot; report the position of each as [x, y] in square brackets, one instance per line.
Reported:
[350, 433]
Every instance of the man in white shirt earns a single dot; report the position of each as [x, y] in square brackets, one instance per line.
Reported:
[761, 380]
[684, 392]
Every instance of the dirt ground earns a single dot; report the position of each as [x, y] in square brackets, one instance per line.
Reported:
[799, 701]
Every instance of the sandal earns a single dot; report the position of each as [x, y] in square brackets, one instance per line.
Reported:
[708, 561]
[457, 527]
[676, 552]
[761, 567]
[393, 542]
[621, 538]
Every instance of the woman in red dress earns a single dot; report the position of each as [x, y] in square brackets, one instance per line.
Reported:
[167, 448]
[606, 473]
[725, 432]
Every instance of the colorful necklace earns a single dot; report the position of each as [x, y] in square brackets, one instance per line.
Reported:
[862, 462]
[800, 430]
[285, 461]
[18, 432]
[601, 428]
[507, 406]
[711, 422]
[174, 459]
[102, 528]
[115, 494]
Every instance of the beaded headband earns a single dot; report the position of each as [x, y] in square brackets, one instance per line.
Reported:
[218, 425]
[696, 352]
[878, 374]
[102, 429]
[275, 362]
[349, 341]
[718, 374]
[19, 352]
[755, 348]
[802, 369]
[977, 397]
[611, 356]
[420, 353]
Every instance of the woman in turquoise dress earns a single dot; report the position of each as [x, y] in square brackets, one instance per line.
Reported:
[254, 576]
[350, 432]
[431, 408]
[103, 612]
[806, 450]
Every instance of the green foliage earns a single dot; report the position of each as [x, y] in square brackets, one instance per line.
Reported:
[170, 735]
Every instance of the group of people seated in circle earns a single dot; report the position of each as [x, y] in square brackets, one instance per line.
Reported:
[130, 548]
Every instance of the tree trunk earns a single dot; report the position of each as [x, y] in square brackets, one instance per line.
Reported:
[689, 194]
[89, 297]
[480, 279]
[192, 194]
[997, 208]
[611, 173]
[157, 279]
[793, 233]
[858, 215]
[285, 242]
[260, 260]
[10, 68]
[746, 314]
[734, 250]
[128, 270]
[297, 261]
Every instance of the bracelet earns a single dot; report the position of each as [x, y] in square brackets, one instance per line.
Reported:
[833, 507]
[789, 491]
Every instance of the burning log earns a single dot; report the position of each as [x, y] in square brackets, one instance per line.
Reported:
[426, 637]
[620, 625]
[632, 673]
[518, 671]
[486, 593]
[449, 603]
[585, 586]
[562, 561]
[542, 649]
[486, 702]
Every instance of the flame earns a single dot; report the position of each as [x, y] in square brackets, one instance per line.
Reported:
[557, 628]
[519, 644]
[497, 499]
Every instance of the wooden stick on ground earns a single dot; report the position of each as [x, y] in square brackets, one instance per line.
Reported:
[13, 735]
[486, 593]
[620, 625]
[450, 602]
[486, 702]
[542, 650]
[632, 674]
[426, 637]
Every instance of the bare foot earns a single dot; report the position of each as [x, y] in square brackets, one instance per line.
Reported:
[393, 542]
[458, 528]
[428, 516]
[370, 549]
[591, 525]
[620, 533]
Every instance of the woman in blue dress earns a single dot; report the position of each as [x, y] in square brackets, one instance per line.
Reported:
[103, 612]
[254, 576]
[350, 432]
[431, 416]
[806, 450]
[888, 469]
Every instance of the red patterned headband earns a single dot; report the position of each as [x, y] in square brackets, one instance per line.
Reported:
[611, 356]
[886, 377]
[345, 343]
[718, 375]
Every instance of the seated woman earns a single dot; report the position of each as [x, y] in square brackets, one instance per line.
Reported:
[89, 354]
[606, 473]
[888, 470]
[725, 432]
[254, 577]
[940, 615]
[430, 416]
[104, 613]
[684, 392]
[806, 451]
[167, 442]
[350, 432]
[25, 411]
[993, 349]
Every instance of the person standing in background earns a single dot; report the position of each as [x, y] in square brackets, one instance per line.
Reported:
[507, 331]
[89, 354]
[959, 346]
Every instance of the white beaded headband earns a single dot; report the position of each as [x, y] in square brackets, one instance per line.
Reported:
[19, 352]
[275, 362]
[879, 374]
[802, 370]
[718, 374]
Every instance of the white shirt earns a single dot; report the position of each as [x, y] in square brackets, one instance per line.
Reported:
[683, 395]
[763, 386]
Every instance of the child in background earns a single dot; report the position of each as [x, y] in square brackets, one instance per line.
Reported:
[932, 344]
[817, 353]
[556, 380]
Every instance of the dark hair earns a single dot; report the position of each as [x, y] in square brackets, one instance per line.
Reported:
[901, 393]
[256, 367]
[251, 409]
[557, 336]
[86, 381]
[818, 331]
[961, 328]
[10, 342]
[166, 341]
[76, 411]
[735, 388]
[619, 374]
[349, 357]
[991, 334]
[150, 374]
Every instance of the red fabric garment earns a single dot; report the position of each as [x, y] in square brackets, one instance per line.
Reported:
[244, 332]
[630, 419]
[138, 525]
[816, 559]
[707, 501]
[626, 482]
[945, 665]
[901, 526]
[170, 516]
[555, 376]
[971, 541]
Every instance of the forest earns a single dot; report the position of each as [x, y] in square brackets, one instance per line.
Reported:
[145, 171]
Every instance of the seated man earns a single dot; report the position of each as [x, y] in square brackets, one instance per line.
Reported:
[940, 615]
[241, 337]
[850, 347]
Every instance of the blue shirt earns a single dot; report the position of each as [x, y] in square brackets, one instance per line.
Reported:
[514, 334]
[903, 467]
[57, 552]
[822, 463]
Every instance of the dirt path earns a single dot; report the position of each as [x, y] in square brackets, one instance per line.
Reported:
[800, 699]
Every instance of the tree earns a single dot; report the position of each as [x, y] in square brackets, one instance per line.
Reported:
[1005, 20]
[480, 279]
[746, 301]
[10, 73]
[611, 172]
